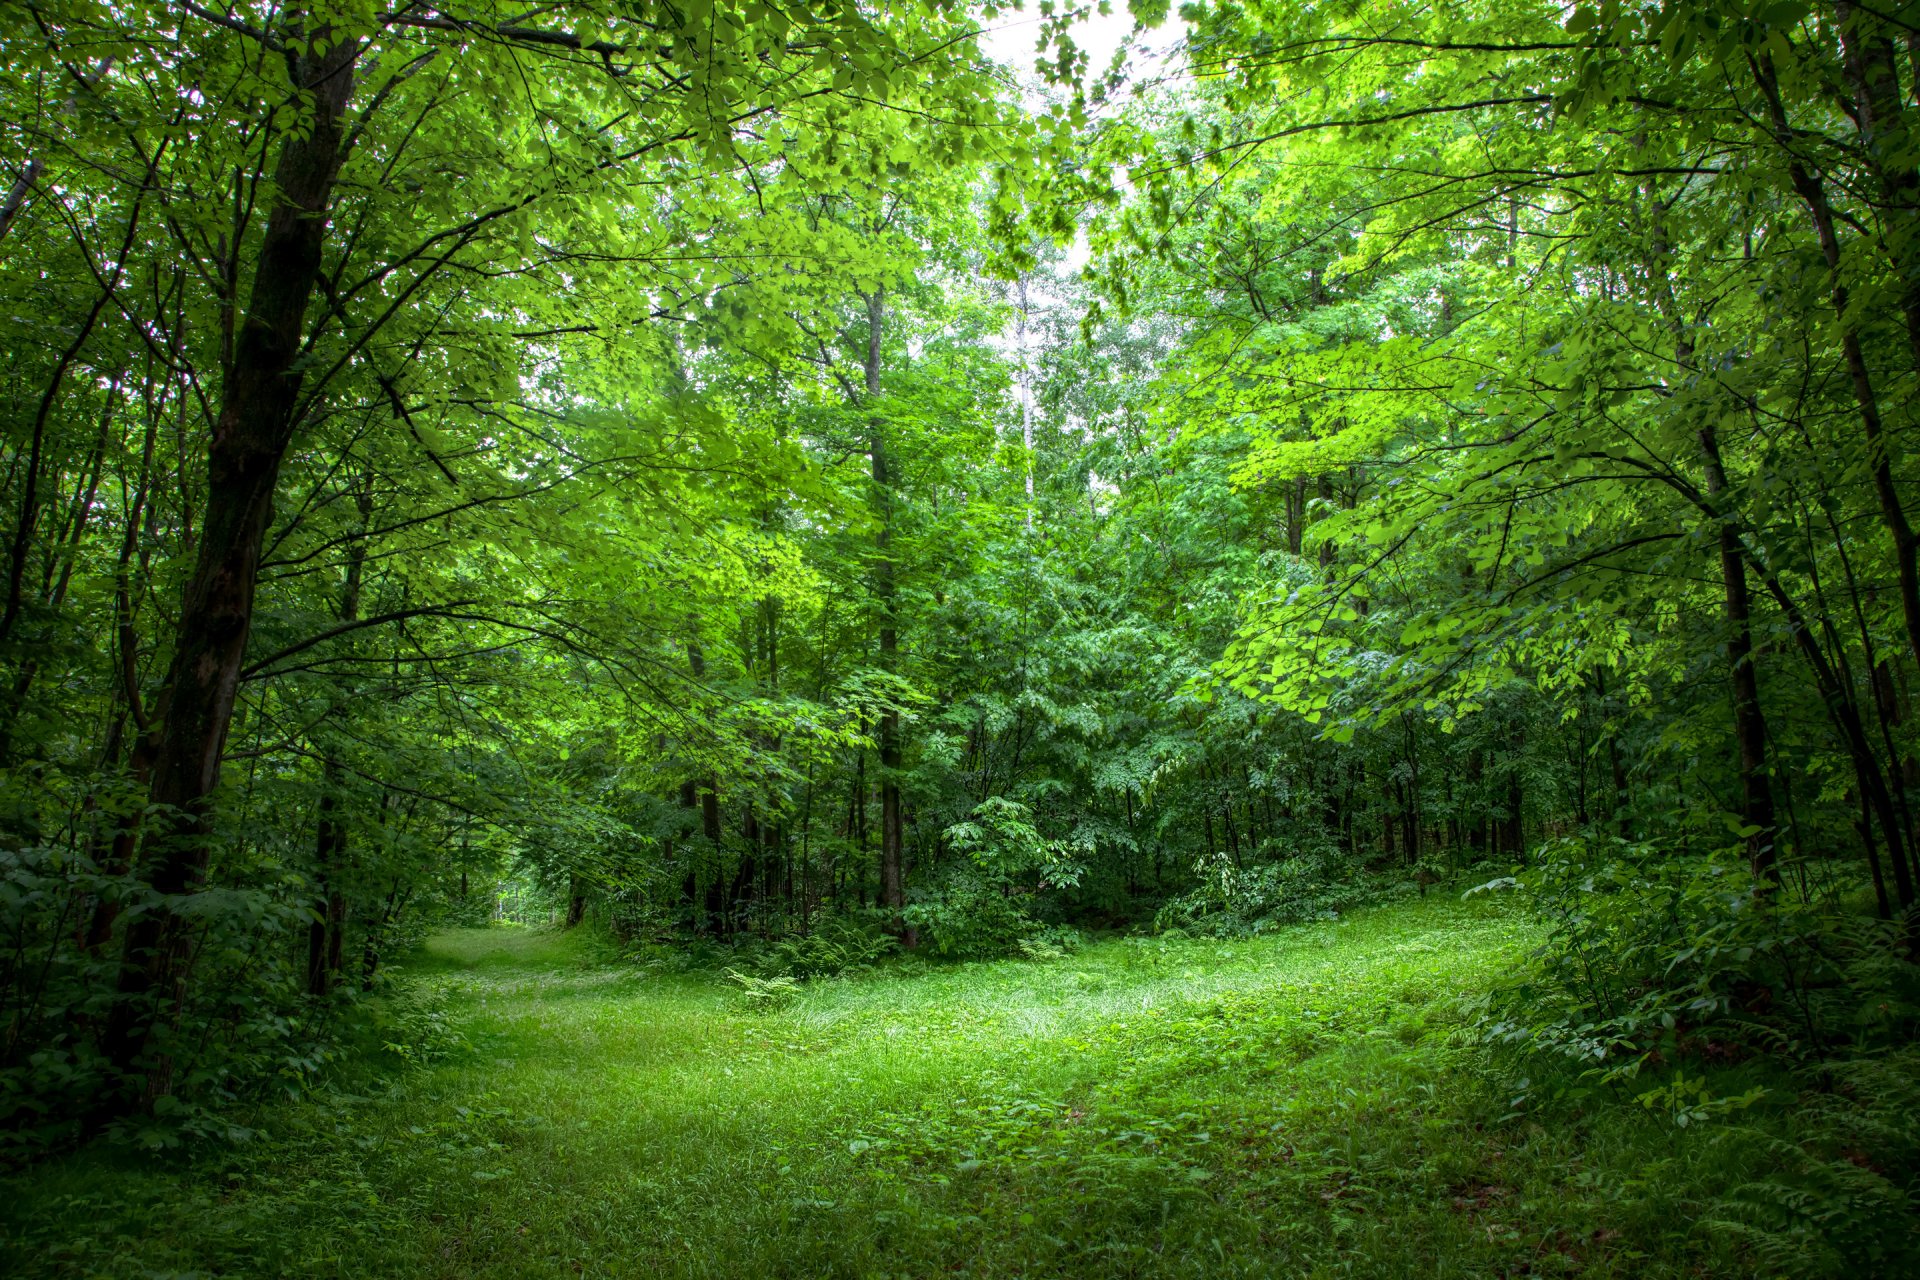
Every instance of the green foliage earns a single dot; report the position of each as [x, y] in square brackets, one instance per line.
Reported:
[835, 945]
[1297, 1100]
[1839, 1195]
[765, 994]
[1654, 959]
[1236, 902]
[967, 916]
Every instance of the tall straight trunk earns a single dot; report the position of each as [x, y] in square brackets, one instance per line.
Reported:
[330, 846]
[1617, 809]
[330, 836]
[1477, 824]
[708, 790]
[1513, 836]
[1749, 722]
[893, 884]
[106, 908]
[716, 902]
[744, 877]
[250, 438]
[690, 882]
[1757, 811]
[1296, 514]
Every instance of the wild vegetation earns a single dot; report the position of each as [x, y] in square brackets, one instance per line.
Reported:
[698, 638]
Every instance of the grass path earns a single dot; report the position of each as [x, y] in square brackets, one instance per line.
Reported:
[1289, 1106]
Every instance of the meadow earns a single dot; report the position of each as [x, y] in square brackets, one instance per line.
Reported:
[1303, 1104]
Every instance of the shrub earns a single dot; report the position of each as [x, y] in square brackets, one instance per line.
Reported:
[1651, 956]
[765, 994]
[837, 944]
[1233, 901]
[967, 916]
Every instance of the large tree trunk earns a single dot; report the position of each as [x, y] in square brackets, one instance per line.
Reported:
[250, 437]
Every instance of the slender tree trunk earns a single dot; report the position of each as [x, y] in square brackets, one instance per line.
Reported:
[1749, 723]
[1872, 71]
[330, 844]
[1757, 811]
[1812, 191]
[893, 885]
[330, 839]
[1513, 838]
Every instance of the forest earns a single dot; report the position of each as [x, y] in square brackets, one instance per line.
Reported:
[889, 638]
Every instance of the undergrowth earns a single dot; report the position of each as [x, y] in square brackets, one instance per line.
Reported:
[1311, 1101]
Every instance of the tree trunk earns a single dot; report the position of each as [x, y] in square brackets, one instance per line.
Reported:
[1813, 193]
[1513, 836]
[330, 841]
[1749, 723]
[893, 885]
[330, 845]
[250, 437]
[576, 900]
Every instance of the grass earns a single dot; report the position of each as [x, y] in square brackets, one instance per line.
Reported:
[1296, 1105]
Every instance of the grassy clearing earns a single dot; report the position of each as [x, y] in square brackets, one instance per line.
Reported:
[1293, 1105]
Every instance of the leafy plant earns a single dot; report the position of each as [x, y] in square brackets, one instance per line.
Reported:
[766, 995]
[1653, 956]
[835, 945]
[1234, 901]
[967, 916]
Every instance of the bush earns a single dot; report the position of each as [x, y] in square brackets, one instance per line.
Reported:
[1826, 1207]
[1651, 957]
[837, 944]
[968, 916]
[767, 995]
[1232, 901]
[1052, 942]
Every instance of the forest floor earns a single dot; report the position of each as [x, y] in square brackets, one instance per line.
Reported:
[1297, 1104]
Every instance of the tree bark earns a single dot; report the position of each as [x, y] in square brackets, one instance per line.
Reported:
[250, 438]
[1813, 193]
[893, 885]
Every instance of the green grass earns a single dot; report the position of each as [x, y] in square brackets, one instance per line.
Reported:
[1296, 1105]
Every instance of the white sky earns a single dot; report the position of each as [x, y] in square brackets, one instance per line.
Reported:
[1010, 38]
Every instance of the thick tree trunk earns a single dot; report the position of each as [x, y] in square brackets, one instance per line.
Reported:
[250, 437]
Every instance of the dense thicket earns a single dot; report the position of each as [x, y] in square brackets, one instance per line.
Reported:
[651, 458]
